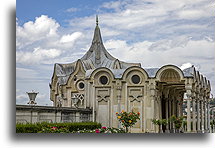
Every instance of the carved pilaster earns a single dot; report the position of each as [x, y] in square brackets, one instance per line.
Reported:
[188, 94]
[167, 113]
[198, 115]
[205, 115]
[202, 113]
[194, 113]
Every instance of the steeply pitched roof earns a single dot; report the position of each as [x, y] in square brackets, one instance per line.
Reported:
[151, 71]
[97, 56]
[189, 72]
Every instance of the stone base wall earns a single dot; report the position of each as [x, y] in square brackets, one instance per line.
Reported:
[33, 114]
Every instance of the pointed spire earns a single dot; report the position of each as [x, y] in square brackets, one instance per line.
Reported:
[97, 20]
[97, 48]
[97, 34]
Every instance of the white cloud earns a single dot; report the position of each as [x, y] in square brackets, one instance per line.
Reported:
[43, 27]
[197, 52]
[38, 56]
[41, 96]
[43, 41]
[70, 37]
[153, 18]
[72, 9]
[107, 32]
[192, 14]
[116, 44]
[166, 44]
[115, 5]
[25, 73]
[21, 96]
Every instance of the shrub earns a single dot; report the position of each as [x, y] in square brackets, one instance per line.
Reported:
[27, 128]
[45, 127]
[160, 122]
[178, 121]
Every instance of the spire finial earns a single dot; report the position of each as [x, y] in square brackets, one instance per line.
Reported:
[97, 20]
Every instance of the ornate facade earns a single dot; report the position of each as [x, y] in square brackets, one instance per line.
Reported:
[106, 85]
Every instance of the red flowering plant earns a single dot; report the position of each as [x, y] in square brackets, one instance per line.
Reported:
[103, 130]
[54, 129]
[128, 119]
[97, 131]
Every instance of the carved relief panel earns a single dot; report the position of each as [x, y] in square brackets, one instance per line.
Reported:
[78, 100]
[103, 106]
[135, 101]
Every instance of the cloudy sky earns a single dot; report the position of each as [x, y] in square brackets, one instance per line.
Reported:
[152, 32]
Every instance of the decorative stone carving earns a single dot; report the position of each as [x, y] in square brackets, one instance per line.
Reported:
[135, 93]
[102, 94]
[80, 97]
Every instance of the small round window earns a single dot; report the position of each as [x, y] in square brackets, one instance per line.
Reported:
[81, 85]
[135, 79]
[103, 80]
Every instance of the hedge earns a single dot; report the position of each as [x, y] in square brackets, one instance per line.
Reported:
[37, 127]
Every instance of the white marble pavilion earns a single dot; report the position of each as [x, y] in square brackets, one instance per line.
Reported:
[107, 85]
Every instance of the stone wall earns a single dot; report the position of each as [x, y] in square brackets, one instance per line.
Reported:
[33, 114]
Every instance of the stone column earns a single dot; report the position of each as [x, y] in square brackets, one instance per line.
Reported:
[170, 114]
[153, 106]
[194, 114]
[152, 129]
[94, 103]
[189, 88]
[213, 119]
[206, 117]
[180, 104]
[85, 95]
[167, 114]
[126, 97]
[118, 88]
[188, 113]
[198, 116]
[174, 112]
[178, 108]
[174, 107]
[202, 115]
[208, 109]
[160, 108]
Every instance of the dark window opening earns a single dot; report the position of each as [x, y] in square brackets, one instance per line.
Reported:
[81, 85]
[135, 79]
[103, 80]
